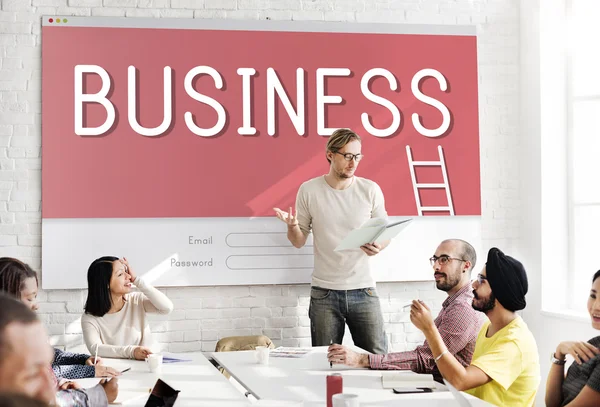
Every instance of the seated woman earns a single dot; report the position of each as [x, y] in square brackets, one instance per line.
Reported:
[115, 322]
[581, 385]
[18, 280]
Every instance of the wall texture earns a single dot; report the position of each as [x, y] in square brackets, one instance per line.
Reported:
[205, 314]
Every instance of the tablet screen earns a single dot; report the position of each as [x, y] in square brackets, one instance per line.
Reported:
[162, 395]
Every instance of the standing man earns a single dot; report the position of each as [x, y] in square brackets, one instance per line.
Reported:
[457, 322]
[505, 369]
[330, 206]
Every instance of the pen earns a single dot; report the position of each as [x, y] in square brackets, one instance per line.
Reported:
[96, 355]
[136, 389]
[330, 363]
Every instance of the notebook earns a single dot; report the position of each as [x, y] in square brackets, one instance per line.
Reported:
[375, 230]
[407, 381]
[289, 352]
[172, 359]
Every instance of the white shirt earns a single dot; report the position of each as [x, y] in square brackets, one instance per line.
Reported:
[331, 214]
[118, 334]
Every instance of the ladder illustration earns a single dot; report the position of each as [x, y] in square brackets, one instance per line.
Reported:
[416, 186]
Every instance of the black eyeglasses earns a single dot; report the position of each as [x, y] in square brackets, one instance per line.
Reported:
[481, 278]
[350, 157]
[443, 259]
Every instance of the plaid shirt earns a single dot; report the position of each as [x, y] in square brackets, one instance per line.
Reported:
[458, 324]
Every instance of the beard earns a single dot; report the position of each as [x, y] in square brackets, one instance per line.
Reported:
[341, 174]
[487, 305]
[448, 283]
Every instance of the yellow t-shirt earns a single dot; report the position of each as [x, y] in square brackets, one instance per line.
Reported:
[510, 358]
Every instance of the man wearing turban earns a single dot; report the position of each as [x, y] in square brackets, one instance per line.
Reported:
[505, 369]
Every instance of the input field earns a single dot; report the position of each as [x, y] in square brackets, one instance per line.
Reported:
[270, 261]
[261, 239]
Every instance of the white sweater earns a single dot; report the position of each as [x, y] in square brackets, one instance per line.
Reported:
[117, 335]
[331, 214]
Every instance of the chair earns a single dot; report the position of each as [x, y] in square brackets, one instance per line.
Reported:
[236, 343]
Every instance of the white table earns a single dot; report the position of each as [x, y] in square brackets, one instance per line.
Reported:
[200, 383]
[304, 379]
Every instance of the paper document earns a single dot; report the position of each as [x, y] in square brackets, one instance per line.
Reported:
[172, 359]
[287, 352]
[127, 392]
[406, 380]
[458, 396]
[375, 230]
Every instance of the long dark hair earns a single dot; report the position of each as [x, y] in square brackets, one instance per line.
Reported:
[99, 301]
[596, 276]
[13, 274]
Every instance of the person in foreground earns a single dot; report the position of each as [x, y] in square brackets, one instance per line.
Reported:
[457, 322]
[115, 323]
[19, 400]
[505, 369]
[330, 206]
[581, 386]
[19, 280]
[25, 358]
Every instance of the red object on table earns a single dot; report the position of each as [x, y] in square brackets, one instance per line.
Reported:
[335, 385]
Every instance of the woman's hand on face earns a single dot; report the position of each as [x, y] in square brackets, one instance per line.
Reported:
[128, 269]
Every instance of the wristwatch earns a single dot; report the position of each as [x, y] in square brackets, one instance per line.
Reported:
[556, 361]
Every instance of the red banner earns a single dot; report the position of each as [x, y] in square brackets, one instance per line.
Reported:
[152, 123]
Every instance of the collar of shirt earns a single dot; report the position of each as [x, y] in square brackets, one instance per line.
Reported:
[466, 292]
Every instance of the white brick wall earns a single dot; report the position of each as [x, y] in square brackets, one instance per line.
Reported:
[205, 314]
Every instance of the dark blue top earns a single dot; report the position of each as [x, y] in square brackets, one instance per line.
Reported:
[72, 365]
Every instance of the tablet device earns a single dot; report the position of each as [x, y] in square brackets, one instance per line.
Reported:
[162, 395]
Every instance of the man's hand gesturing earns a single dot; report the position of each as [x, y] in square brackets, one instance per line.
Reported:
[287, 217]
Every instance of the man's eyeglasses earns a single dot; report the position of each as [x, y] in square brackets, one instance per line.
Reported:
[443, 259]
[350, 157]
[481, 278]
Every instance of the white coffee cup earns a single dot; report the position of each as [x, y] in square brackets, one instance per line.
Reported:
[345, 400]
[262, 355]
[154, 362]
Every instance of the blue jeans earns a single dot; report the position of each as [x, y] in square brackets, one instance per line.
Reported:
[360, 309]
